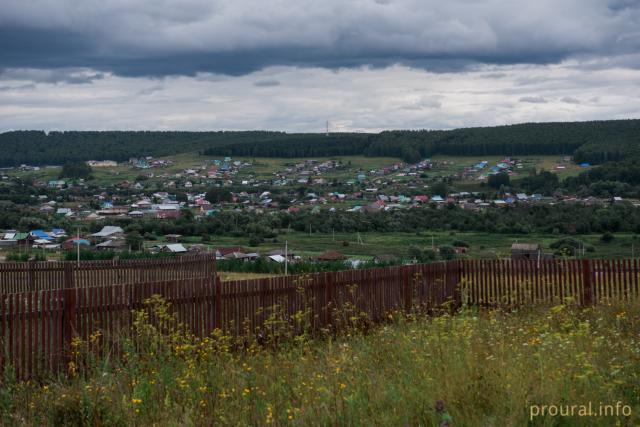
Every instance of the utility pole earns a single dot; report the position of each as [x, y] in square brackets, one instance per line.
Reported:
[286, 257]
[78, 248]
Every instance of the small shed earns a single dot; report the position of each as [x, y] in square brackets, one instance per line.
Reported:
[175, 248]
[526, 251]
[331, 255]
[111, 245]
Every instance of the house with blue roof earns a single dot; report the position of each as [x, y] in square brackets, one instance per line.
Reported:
[40, 234]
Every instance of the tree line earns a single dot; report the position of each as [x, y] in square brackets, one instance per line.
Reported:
[594, 142]
[520, 219]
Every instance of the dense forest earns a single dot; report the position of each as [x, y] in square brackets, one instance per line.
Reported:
[58, 148]
[594, 142]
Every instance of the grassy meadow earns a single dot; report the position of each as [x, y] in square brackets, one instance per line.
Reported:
[472, 368]
[481, 245]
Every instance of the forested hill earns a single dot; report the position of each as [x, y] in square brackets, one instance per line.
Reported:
[56, 148]
[594, 142]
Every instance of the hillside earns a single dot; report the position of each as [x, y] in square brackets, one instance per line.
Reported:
[594, 142]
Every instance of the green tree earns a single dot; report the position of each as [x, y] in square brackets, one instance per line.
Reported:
[607, 237]
[410, 155]
[217, 195]
[440, 189]
[134, 240]
[498, 180]
[77, 170]
[447, 252]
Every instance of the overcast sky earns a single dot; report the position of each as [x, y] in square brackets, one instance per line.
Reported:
[363, 65]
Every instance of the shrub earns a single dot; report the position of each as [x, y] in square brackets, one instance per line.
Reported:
[447, 252]
[255, 240]
[607, 237]
[460, 244]
[24, 257]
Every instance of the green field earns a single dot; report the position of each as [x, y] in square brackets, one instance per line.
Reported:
[481, 245]
[472, 368]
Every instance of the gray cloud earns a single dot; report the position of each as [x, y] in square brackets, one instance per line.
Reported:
[54, 75]
[352, 99]
[267, 83]
[21, 87]
[533, 99]
[184, 37]
[364, 65]
[424, 104]
[570, 100]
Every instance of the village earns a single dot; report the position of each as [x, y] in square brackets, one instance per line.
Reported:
[150, 189]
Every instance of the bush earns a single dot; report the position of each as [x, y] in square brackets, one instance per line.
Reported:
[607, 237]
[255, 240]
[421, 255]
[86, 255]
[447, 252]
[565, 250]
[498, 180]
[570, 246]
[76, 170]
[24, 257]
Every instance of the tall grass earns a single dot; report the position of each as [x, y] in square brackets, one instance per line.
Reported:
[473, 368]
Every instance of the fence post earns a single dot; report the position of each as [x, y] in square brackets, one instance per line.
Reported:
[69, 321]
[328, 297]
[218, 305]
[587, 285]
[31, 275]
[68, 275]
[212, 274]
[406, 285]
[455, 282]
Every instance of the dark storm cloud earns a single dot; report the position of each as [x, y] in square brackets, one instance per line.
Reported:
[171, 37]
